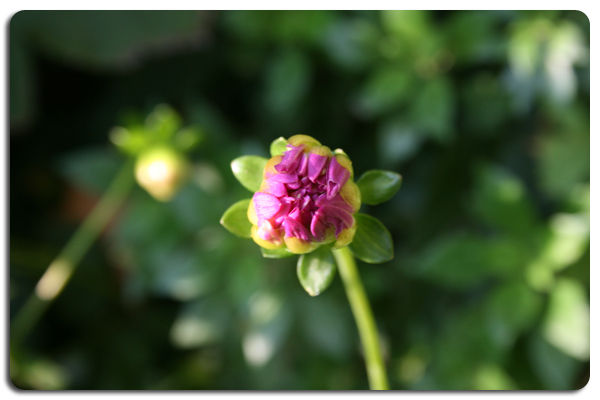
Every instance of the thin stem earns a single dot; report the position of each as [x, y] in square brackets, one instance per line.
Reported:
[359, 303]
[62, 267]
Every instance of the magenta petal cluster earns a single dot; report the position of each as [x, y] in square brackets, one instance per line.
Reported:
[301, 197]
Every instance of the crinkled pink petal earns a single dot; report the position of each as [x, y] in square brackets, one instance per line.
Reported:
[294, 228]
[266, 205]
[316, 163]
[291, 159]
[336, 177]
[284, 178]
[318, 226]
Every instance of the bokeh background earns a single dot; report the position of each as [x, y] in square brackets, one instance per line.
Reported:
[485, 114]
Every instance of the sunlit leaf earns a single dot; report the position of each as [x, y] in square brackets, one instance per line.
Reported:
[567, 322]
[249, 171]
[275, 253]
[235, 219]
[278, 146]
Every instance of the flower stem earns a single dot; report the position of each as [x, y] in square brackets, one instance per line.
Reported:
[359, 303]
[62, 267]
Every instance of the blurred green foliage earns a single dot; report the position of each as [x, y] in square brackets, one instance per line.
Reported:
[485, 114]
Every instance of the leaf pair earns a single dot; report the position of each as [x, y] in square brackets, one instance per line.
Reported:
[372, 244]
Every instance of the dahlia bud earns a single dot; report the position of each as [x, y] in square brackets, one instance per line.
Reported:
[161, 171]
[307, 198]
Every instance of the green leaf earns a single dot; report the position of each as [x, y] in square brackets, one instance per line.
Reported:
[316, 270]
[163, 122]
[377, 186]
[278, 146]
[275, 253]
[372, 242]
[235, 219]
[567, 322]
[249, 171]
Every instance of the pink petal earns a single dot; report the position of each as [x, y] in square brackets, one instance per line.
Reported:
[266, 205]
[316, 163]
[336, 177]
[290, 160]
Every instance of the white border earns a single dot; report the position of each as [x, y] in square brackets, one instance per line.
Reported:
[10, 8]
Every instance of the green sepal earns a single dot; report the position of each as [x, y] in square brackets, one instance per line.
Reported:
[276, 253]
[372, 242]
[235, 219]
[278, 146]
[249, 171]
[162, 122]
[188, 138]
[316, 270]
[377, 186]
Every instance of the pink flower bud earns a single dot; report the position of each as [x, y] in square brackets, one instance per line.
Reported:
[307, 198]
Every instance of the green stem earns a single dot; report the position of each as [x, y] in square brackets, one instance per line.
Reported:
[359, 303]
[62, 267]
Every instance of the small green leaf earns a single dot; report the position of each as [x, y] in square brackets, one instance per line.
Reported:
[162, 122]
[235, 219]
[275, 253]
[187, 138]
[372, 242]
[249, 171]
[278, 146]
[377, 186]
[316, 270]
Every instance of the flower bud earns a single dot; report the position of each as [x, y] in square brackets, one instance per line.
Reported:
[307, 198]
[161, 170]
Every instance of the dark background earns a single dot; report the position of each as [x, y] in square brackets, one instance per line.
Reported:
[485, 114]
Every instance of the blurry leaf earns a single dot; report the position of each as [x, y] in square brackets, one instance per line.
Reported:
[235, 219]
[397, 142]
[500, 200]
[378, 186]
[461, 346]
[349, 42]
[287, 81]
[386, 88]
[432, 110]
[510, 309]
[567, 322]
[178, 273]
[492, 377]
[327, 329]
[464, 260]
[197, 325]
[42, 374]
[316, 270]
[562, 244]
[130, 141]
[276, 253]
[162, 122]
[407, 24]
[269, 321]
[188, 138]
[372, 242]
[488, 103]
[91, 169]
[555, 369]
[472, 36]
[563, 155]
[278, 146]
[249, 171]
[108, 38]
